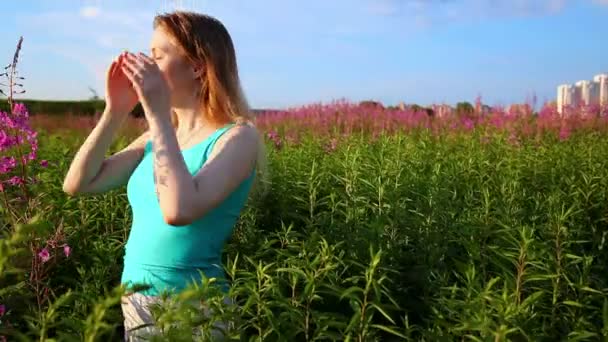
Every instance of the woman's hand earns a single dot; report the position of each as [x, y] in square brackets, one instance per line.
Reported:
[149, 84]
[121, 97]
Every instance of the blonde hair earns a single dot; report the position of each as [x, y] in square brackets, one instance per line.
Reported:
[206, 43]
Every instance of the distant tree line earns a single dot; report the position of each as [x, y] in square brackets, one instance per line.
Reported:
[84, 107]
[461, 107]
[47, 107]
[96, 105]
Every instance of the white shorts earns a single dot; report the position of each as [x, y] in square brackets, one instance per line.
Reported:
[139, 324]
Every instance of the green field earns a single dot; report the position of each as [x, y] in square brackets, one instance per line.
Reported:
[377, 225]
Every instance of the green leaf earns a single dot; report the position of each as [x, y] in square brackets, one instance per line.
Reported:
[588, 289]
[581, 336]
[573, 303]
[531, 299]
[605, 314]
[377, 307]
[388, 330]
[292, 270]
[350, 291]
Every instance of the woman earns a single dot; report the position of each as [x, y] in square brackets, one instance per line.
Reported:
[189, 175]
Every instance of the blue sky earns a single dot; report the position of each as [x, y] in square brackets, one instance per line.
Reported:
[297, 52]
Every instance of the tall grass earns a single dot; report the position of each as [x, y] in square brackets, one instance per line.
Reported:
[379, 225]
[491, 230]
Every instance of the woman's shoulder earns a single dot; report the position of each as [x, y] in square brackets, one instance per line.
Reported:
[240, 133]
[240, 139]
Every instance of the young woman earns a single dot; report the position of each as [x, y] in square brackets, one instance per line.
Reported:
[189, 175]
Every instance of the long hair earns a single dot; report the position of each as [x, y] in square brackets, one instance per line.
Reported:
[205, 42]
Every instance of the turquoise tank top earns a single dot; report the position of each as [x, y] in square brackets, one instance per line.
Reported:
[168, 257]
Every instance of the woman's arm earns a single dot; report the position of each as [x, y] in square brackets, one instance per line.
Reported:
[184, 198]
[90, 172]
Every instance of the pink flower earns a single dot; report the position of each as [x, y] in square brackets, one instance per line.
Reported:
[44, 163]
[44, 255]
[16, 180]
[468, 124]
[7, 164]
[272, 134]
[67, 250]
[2, 310]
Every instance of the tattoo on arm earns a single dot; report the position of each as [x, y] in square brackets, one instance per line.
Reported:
[161, 162]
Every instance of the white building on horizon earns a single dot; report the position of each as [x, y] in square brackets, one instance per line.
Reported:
[565, 96]
[583, 92]
[602, 84]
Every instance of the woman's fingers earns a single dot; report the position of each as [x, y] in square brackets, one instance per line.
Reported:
[128, 72]
[135, 67]
[132, 67]
[135, 61]
[112, 69]
[135, 80]
[145, 58]
[115, 66]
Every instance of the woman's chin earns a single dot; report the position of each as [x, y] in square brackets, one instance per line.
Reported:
[180, 102]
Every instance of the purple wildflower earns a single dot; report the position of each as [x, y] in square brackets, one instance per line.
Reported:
[44, 255]
[16, 180]
[67, 250]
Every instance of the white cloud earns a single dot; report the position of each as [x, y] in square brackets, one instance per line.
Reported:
[556, 5]
[383, 8]
[295, 31]
[417, 5]
[601, 2]
[424, 13]
[511, 8]
[90, 11]
[107, 29]
[409, 16]
[106, 41]
[89, 36]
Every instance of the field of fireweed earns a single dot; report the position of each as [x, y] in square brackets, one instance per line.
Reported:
[377, 225]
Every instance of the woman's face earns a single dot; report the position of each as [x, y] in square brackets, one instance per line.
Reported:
[177, 70]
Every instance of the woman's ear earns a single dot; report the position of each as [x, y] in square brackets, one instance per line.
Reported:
[198, 71]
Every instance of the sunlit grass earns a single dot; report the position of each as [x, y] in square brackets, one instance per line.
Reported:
[391, 224]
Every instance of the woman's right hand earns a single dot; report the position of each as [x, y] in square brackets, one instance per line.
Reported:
[120, 95]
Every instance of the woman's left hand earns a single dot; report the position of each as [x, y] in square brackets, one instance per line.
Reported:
[149, 84]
